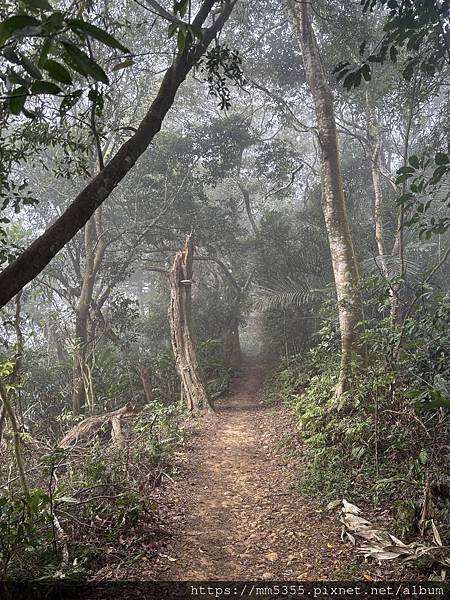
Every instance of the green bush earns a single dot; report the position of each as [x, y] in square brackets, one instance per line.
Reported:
[376, 440]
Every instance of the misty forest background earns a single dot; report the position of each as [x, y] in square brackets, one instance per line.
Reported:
[190, 188]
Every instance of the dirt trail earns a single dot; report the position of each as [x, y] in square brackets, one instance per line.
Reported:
[236, 515]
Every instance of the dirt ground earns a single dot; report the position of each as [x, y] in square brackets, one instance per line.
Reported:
[230, 510]
[235, 510]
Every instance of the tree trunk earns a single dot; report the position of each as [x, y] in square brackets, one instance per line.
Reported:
[232, 344]
[180, 318]
[140, 292]
[146, 384]
[374, 143]
[9, 411]
[92, 237]
[333, 201]
[2, 422]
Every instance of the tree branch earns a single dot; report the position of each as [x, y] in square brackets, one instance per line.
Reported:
[37, 256]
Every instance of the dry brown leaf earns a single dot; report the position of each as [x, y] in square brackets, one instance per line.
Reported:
[397, 541]
[382, 555]
[436, 536]
[382, 545]
[272, 556]
[350, 508]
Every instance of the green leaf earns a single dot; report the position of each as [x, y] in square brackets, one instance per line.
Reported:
[44, 52]
[98, 100]
[81, 62]
[403, 178]
[414, 161]
[30, 67]
[197, 32]
[123, 65]
[45, 87]
[366, 72]
[438, 173]
[172, 29]
[181, 7]
[441, 158]
[405, 170]
[393, 53]
[54, 22]
[10, 55]
[57, 71]
[16, 78]
[405, 198]
[16, 24]
[69, 101]
[348, 81]
[40, 4]
[95, 32]
[30, 115]
[181, 40]
[17, 100]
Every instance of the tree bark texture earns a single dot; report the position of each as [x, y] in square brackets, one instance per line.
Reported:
[374, 143]
[333, 200]
[37, 256]
[180, 318]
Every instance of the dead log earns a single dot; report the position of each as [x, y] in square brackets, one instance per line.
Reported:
[91, 425]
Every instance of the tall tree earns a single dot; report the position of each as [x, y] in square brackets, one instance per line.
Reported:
[333, 200]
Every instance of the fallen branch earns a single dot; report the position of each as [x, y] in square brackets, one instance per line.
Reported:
[90, 426]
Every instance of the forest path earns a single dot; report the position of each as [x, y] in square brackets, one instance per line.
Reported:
[236, 514]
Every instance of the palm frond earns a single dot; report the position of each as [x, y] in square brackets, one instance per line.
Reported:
[373, 266]
[286, 293]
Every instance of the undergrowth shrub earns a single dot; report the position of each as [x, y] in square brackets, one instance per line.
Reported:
[218, 375]
[386, 438]
[100, 493]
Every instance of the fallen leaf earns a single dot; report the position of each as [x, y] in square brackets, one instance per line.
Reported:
[272, 556]
[436, 536]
